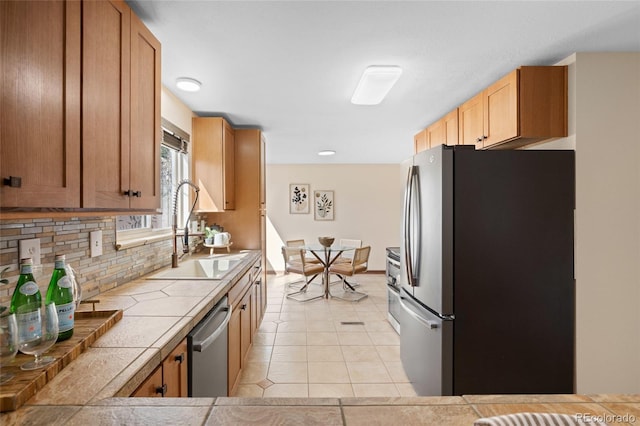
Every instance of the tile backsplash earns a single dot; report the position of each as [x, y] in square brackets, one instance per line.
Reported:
[70, 236]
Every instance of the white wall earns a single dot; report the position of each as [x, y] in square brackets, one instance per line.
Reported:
[604, 118]
[367, 199]
[172, 109]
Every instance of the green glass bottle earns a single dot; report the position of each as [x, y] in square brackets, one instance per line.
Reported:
[25, 303]
[60, 292]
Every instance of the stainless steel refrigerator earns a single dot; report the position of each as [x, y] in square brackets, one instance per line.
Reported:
[487, 281]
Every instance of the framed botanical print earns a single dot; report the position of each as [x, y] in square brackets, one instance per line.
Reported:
[299, 198]
[323, 205]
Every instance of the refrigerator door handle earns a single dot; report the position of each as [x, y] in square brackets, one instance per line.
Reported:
[425, 322]
[408, 196]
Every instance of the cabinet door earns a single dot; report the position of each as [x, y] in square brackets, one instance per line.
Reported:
[213, 161]
[105, 103]
[229, 156]
[501, 110]
[152, 386]
[40, 103]
[249, 187]
[255, 307]
[245, 324]
[444, 131]
[234, 357]
[471, 121]
[420, 141]
[437, 134]
[175, 373]
[145, 118]
[451, 128]
[263, 179]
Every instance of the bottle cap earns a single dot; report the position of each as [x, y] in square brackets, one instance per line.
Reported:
[59, 257]
[26, 261]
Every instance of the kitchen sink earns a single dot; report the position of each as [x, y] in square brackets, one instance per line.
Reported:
[214, 267]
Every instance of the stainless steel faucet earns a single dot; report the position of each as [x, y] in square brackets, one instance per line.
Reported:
[185, 243]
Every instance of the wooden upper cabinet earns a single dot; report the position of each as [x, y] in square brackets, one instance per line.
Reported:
[213, 160]
[229, 175]
[500, 110]
[525, 106]
[145, 117]
[471, 121]
[420, 141]
[80, 107]
[263, 177]
[444, 131]
[121, 109]
[106, 65]
[40, 103]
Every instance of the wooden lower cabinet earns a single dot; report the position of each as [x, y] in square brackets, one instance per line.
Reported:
[247, 311]
[233, 351]
[152, 386]
[246, 307]
[240, 336]
[170, 379]
[175, 373]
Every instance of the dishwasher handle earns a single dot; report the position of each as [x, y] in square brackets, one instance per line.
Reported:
[201, 345]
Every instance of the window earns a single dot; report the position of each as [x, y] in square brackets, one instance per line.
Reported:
[174, 167]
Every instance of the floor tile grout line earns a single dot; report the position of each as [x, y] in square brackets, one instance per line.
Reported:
[375, 314]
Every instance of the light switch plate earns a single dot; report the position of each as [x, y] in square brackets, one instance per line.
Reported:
[95, 242]
[30, 248]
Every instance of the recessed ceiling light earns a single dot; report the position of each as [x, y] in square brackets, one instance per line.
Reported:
[188, 84]
[375, 83]
[326, 152]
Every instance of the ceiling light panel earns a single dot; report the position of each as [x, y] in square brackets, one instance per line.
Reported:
[188, 84]
[375, 83]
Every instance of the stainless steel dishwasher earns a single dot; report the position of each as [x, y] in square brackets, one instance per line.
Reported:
[207, 349]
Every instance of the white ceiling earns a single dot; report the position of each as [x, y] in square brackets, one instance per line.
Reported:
[290, 67]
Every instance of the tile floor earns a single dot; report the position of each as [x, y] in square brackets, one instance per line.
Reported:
[313, 349]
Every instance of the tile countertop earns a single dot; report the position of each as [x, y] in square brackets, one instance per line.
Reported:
[158, 314]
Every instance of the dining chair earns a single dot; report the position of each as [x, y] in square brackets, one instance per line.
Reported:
[346, 256]
[359, 264]
[300, 243]
[294, 261]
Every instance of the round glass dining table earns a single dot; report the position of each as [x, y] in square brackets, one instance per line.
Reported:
[326, 256]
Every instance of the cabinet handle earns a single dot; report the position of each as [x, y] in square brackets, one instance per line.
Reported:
[128, 193]
[258, 282]
[137, 193]
[13, 181]
[485, 137]
[243, 307]
[179, 358]
[162, 390]
[479, 139]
